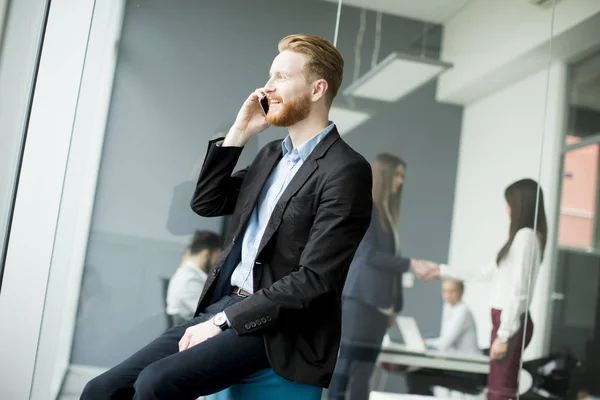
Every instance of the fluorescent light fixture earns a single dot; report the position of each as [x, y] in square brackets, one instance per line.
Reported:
[396, 76]
[346, 119]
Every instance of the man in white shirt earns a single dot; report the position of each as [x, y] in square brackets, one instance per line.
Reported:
[188, 281]
[458, 333]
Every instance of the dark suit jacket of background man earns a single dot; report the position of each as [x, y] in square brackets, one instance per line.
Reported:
[303, 257]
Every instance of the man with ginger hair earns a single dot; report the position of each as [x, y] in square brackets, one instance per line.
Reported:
[273, 297]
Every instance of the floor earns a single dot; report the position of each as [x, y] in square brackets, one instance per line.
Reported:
[77, 377]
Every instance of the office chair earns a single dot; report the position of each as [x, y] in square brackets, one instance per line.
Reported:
[553, 377]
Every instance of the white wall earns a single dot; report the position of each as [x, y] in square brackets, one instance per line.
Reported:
[501, 142]
[493, 44]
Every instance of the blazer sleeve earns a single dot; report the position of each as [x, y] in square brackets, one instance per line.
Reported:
[341, 220]
[381, 259]
[218, 187]
[481, 273]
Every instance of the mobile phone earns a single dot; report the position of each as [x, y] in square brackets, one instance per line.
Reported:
[264, 104]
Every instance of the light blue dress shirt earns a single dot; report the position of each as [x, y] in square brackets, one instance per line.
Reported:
[271, 192]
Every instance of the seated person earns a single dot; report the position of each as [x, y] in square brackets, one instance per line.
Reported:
[188, 281]
[458, 333]
[458, 326]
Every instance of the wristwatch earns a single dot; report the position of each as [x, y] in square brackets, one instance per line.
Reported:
[220, 320]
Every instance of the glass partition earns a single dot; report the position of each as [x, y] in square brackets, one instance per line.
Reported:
[575, 308]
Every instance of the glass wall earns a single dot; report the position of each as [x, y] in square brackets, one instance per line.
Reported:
[575, 328]
[464, 100]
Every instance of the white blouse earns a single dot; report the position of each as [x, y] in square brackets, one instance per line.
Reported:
[512, 281]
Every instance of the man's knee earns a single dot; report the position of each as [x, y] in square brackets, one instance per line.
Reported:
[97, 388]
[150, 382]
[108, 385]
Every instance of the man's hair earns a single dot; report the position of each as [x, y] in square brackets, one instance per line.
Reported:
[203, 240]
[323, 60]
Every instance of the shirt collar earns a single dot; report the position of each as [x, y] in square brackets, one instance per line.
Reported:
[307, 148]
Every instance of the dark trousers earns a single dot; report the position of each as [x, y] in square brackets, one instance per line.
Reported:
[504, 374]
[160, 371]
[363, 328]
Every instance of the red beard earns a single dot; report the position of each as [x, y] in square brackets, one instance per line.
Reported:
[289, 113]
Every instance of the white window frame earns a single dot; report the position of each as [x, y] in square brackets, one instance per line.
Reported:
[54, 200]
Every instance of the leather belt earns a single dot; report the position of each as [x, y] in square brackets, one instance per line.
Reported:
[240, 292]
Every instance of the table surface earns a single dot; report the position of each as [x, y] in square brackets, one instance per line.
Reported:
[397, 396]
[396, 353]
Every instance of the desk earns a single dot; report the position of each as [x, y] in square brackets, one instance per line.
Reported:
[396, 353]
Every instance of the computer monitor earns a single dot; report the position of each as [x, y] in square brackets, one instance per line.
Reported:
[407, 331]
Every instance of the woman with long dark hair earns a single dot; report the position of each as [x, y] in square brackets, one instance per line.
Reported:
[372, 293]
[513, 273]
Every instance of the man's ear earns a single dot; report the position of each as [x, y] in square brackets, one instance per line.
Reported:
[320, 87]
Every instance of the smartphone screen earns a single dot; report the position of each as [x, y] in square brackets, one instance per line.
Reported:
[264, 104]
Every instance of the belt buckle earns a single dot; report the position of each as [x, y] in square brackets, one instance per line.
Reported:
[239, 293]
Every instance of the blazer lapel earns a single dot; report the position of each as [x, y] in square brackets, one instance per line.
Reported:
[263, 169]
[304, 173]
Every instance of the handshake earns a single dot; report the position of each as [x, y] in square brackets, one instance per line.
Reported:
[425, 270]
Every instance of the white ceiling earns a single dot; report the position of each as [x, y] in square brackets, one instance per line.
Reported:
[436, 11]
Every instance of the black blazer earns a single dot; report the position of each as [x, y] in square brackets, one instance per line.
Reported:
[375, 268]
[303, 257]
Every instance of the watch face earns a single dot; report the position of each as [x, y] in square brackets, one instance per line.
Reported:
[220, 319]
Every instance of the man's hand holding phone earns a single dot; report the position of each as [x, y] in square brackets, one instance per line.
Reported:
[251, 120]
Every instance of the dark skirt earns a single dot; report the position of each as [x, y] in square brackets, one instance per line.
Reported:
[504, 374]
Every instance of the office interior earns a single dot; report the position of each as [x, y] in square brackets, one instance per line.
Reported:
[106, 109]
